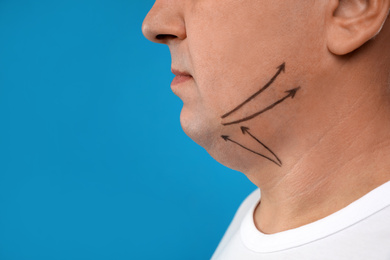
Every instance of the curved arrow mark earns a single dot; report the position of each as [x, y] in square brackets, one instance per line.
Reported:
[245, 130]
[227, 138]
[291, 93]
[281, 68]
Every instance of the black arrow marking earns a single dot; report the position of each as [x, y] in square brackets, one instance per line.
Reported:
[281, 68]
[245, 130]
[227, 138]
[291, 93]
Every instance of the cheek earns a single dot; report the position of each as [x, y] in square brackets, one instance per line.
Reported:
[252, 34]
[231, 57]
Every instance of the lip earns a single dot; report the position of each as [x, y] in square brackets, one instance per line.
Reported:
[181, 77]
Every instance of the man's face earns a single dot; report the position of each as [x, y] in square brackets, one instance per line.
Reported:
[232, 49]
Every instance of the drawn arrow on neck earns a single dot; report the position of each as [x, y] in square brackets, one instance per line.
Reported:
[245, 130]
[227, 139]
[281, 68]
[291, 93]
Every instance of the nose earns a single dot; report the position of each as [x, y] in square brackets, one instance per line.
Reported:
[165, 22]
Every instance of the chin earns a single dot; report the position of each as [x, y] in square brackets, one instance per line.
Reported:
[199, 128]
[207, 133]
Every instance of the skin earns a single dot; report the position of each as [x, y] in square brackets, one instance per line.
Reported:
[333, 137]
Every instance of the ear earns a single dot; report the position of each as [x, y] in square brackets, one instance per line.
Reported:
[351, 23]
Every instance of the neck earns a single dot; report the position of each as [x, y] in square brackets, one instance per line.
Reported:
[343, 158]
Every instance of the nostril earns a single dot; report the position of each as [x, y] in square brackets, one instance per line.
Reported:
[165, 36]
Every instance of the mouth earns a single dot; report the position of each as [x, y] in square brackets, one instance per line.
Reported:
[180, 77]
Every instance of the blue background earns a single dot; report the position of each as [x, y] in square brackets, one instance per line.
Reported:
[93, 161]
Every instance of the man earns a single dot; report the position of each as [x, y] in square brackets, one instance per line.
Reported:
[294, 94]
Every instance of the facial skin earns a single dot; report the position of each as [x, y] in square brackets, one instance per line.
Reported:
[231, 49]
[332, 136]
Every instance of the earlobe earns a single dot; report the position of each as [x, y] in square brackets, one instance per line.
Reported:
[351, 23]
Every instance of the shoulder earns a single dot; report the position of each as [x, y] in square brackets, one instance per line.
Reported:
[250, 201]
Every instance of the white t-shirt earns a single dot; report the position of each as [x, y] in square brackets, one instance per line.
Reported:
[359, 231]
